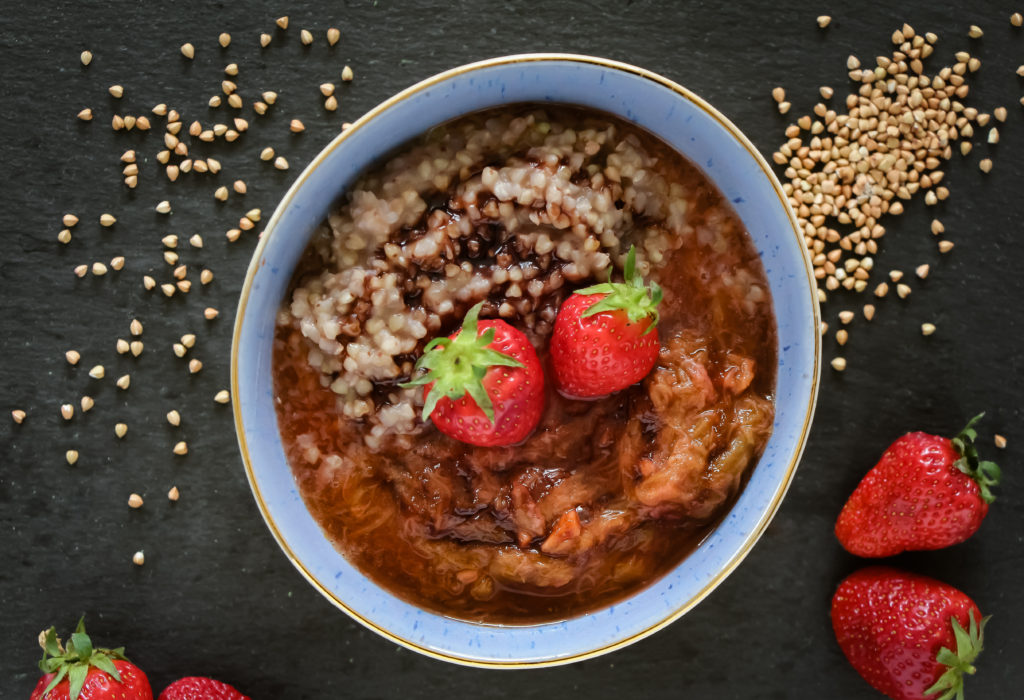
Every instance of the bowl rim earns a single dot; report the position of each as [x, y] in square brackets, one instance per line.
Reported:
[751, 538]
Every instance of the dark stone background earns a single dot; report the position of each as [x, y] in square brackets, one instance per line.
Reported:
[216, 596]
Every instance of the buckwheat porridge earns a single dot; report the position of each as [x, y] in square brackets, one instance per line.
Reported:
[516, 208]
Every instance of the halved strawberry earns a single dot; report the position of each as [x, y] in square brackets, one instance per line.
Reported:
[484, 384]
[605, 337]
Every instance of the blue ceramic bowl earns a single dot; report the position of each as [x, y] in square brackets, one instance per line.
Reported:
[705, 137]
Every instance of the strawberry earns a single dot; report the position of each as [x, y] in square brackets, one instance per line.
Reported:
[199, 688]
[81, 672]
[484, 384]
[926, 492]
[605, 336]
[909, 636]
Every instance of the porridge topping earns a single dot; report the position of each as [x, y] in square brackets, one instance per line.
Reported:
[507, 212]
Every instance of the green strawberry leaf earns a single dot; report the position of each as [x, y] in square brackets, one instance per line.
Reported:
[986, 474]
[61, 672]
[947, 657]
[969, 644]
[456, 366]
[82, 645]
[105, 664]
[76, 679]
[631, 295]
[51, 665]
[74, 662]
[963, 641]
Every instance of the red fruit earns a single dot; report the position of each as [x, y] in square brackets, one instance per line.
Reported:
[909, 636]
[484, 383]
[199, 688]
[605, 337]
[81, 672]
[926, 492]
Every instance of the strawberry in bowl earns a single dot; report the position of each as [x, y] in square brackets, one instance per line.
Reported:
[484, 384]
[606, 337]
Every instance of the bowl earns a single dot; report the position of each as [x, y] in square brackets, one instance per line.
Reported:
[699, 132]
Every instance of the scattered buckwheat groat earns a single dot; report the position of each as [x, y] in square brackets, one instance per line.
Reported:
[851, 163]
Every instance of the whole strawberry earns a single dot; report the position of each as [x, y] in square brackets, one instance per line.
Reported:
[199, 688]
[484, 384]
[926, 492]
[605, 337]
[81, 672]
[909, 636]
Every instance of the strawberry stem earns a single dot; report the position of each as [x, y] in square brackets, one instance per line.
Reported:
[969, 644]
[638, 300]
[457, 366]
[75, 661]
[985, 473]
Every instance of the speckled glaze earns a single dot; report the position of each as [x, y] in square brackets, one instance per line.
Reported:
[702, 135]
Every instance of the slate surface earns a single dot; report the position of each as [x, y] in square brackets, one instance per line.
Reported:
[216, 596]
